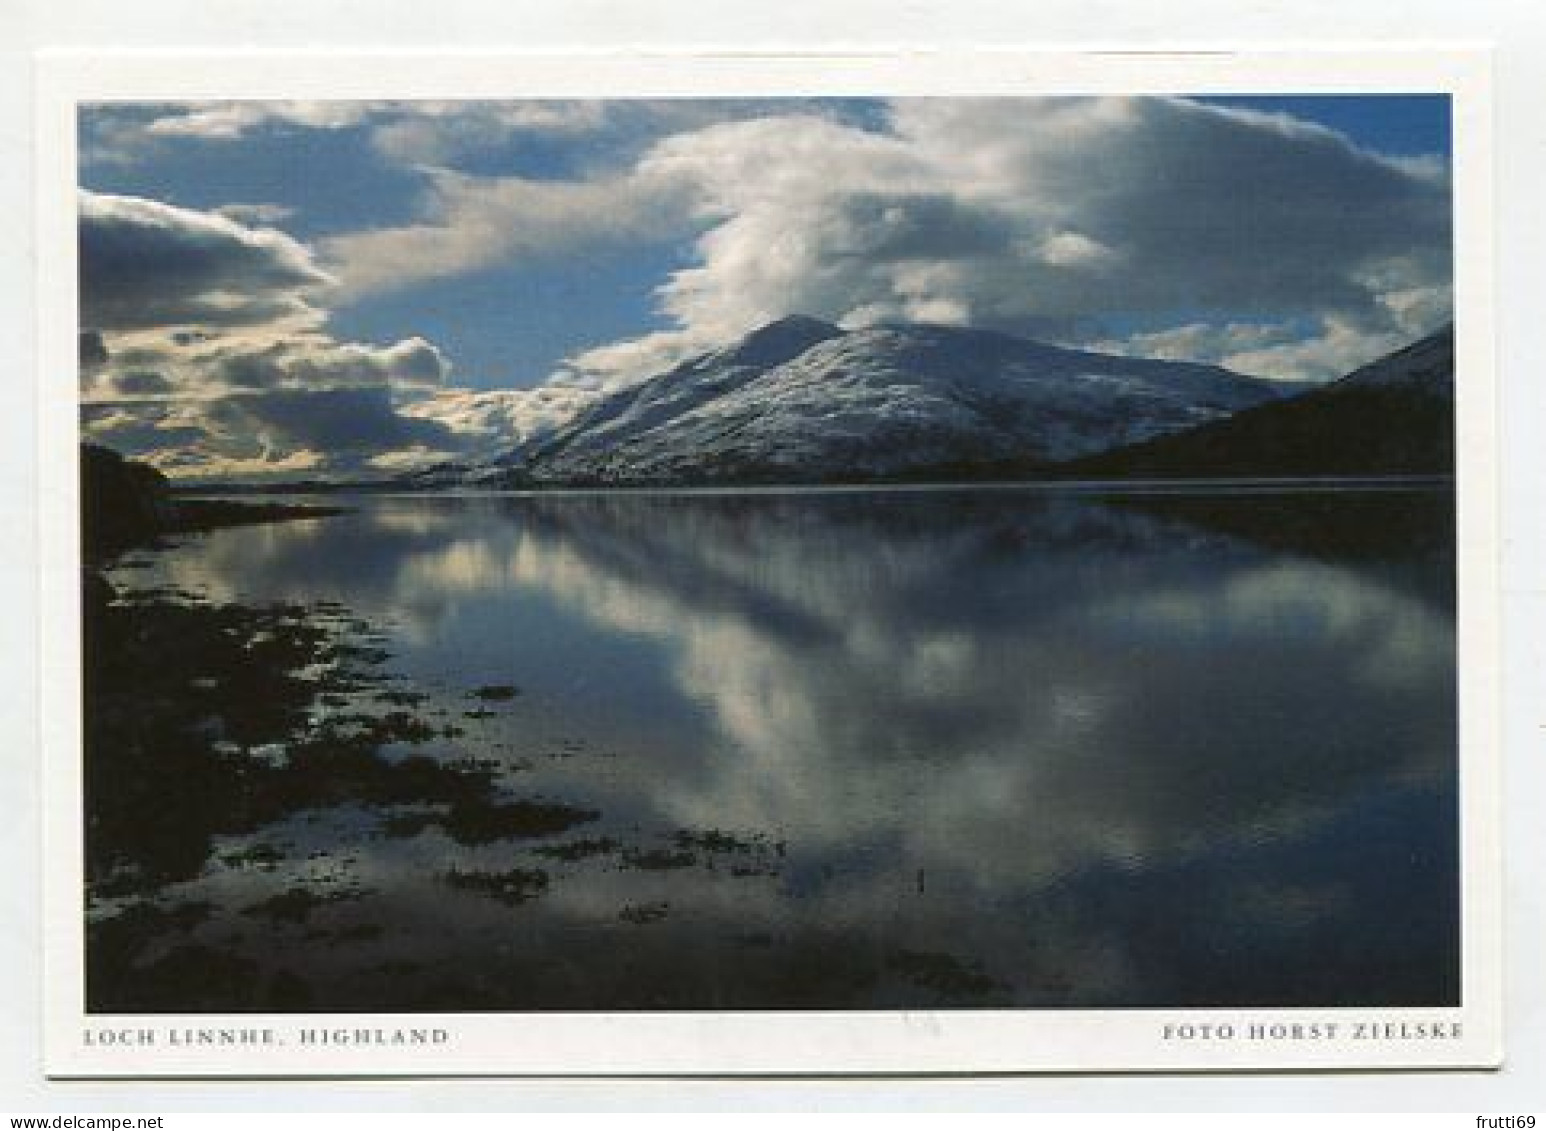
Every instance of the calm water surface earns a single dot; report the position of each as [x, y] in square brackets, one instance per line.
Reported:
[872, 749]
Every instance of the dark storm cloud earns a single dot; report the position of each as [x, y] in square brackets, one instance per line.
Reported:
[139, 427]
[141, 383]
[884, 228]
[330, 433]
[203, 351]
[1242, 211]
[342, 422]
[318, 363]
[148, 264]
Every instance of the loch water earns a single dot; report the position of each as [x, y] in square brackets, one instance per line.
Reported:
[953, 747]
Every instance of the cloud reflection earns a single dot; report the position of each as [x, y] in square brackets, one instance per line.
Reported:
[1001, 695]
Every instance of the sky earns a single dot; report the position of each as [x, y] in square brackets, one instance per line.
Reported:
[354, 289]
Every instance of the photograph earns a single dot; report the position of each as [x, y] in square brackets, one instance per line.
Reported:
[771, 555]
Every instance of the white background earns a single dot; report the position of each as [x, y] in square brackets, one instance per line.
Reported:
[1516, 27]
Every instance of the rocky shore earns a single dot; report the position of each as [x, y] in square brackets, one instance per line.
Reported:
[125, 503]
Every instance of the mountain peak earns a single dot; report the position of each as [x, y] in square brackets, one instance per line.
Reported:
[796, 323]
[781, 340]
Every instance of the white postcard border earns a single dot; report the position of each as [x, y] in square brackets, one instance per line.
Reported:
[770, 1042]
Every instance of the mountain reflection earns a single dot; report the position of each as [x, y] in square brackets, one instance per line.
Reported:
[1081, 746]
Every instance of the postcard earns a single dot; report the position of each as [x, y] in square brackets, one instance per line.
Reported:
[915, 562]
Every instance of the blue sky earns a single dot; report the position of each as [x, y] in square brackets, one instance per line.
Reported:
[559, 247]
[508, 324]
[1407, 125]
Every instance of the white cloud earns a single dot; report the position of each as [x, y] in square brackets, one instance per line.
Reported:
[1045, 217]
[1339, 347]
[492, 420]
[229, 120]
[623, 362]
[1036, 216]
[1255, 240]
[478, 222]
[1070, 249]
[437, 133]
[421, 131]
[255, 215]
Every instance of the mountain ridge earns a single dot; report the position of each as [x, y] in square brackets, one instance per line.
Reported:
[1393, 416]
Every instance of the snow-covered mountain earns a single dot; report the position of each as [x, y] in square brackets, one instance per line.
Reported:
[800, 400]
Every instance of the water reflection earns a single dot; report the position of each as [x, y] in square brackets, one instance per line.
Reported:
[962, 748]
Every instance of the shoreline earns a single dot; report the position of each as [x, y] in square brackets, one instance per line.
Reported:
[1201, 486]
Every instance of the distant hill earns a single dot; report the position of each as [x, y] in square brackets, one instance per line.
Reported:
[802, 401]
[125, 503]
[1392, 417]
[122, 502]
